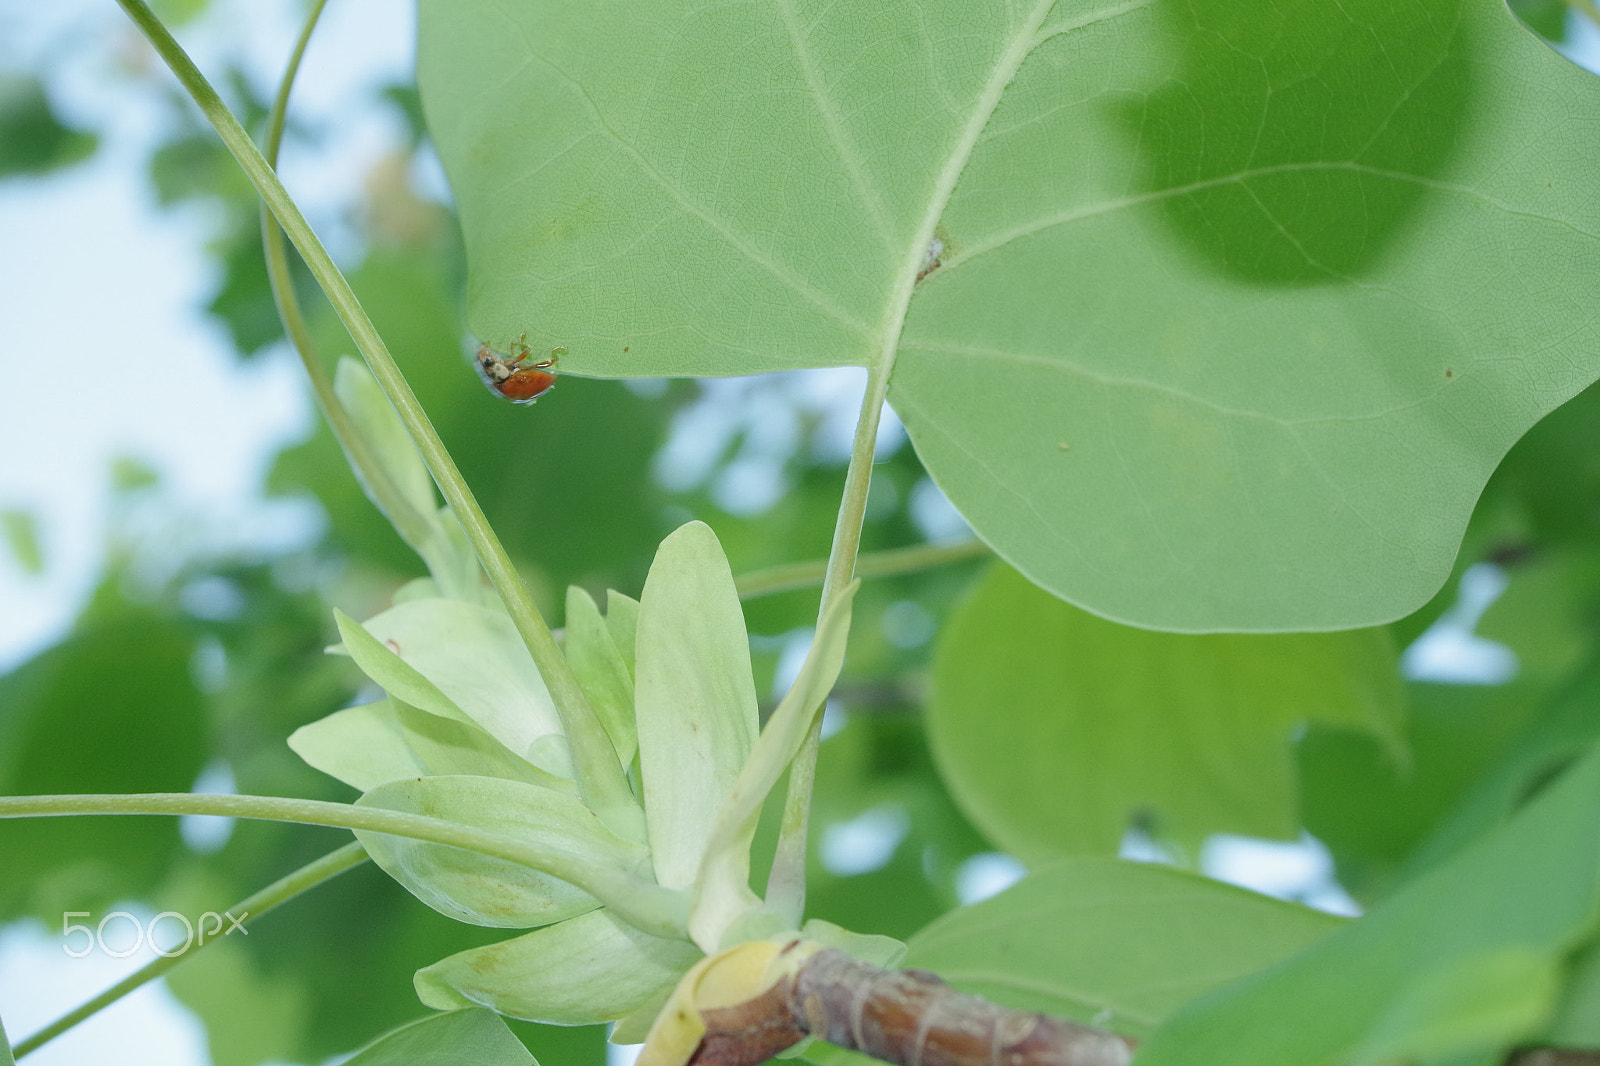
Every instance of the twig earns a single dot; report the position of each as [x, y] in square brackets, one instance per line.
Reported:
[901, 1016]
[912, 1018]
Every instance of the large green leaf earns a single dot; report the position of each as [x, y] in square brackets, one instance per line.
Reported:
[1205, 265]
[1414, 979]
[1120, 943]
[458, 1038]
[1054, 728]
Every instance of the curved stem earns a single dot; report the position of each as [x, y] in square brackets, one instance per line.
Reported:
[601, 781]
[786, 884]
[647, 906]
[787, 577]
[248, 909]
[411, 526]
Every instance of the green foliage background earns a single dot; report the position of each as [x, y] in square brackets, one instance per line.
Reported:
[1402, 781]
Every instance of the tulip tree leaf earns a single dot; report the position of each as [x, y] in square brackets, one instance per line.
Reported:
[482, 889]
[585, 970]
[695, 697]
[1202, 266]
[458, 1038]
[1459, 962]
[1054, 728]
[1125, 943]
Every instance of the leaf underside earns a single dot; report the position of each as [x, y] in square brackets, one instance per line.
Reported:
[1210, 264]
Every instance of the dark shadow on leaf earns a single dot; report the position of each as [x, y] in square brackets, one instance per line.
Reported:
[1301, 128]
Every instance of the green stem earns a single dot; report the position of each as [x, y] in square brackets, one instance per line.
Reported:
[786, 884]
[790, 576]
[601, 780]
[250, 908]
[643, 904]
[412, 526]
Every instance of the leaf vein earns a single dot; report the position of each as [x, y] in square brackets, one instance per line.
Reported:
[978, 248]
[738, 241]
[844, 145]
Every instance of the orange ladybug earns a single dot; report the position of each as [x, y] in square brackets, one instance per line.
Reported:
[512, 376]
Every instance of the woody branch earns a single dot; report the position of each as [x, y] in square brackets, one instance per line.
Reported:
[911, 1017]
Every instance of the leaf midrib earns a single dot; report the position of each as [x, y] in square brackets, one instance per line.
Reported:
[1022, 45]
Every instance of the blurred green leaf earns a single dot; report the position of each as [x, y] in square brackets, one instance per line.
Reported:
[457, 1038]
[1464, 1007]
[5, 1049]
[1547, 18]
[178, 12]
[876, 771]
[1552, 475]
[21, 532]
[695, 699]
[1406, 975]
[1577, 1021]
[1549, 614]
[1054, 729]
[1564, 729]
[32, 139]
[1373, 810]
[129, 475]
[1117, 943]
[251, 1017]
[113, 708]
[243, 302]
[1281, 266]
[585, 970]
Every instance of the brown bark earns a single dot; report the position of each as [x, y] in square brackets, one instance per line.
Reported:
[913, 1018]
[909, 1017]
